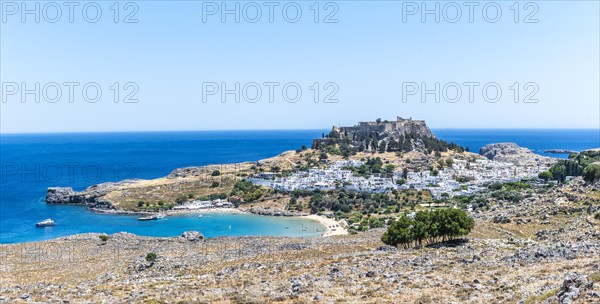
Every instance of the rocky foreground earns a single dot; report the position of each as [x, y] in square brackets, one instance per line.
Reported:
[543, 249]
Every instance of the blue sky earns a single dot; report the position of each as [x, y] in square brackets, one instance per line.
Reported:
[367, 57]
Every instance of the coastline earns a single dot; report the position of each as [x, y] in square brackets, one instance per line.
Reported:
[332, 227]
[207, 210]
[169, 212]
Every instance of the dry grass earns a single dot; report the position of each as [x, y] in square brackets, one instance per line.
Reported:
[541, 298]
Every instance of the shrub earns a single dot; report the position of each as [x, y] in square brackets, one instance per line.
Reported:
[151, 257]
[181, 199]
[103, 237]
[248, 191]
[215, 184]
[216, 173]
[597, 216]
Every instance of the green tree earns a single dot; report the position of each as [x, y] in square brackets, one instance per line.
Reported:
[382, 146]
[559, 172]
[591, 173]
[429, 227]
[546, 175]
[399, 233]
[345, 208]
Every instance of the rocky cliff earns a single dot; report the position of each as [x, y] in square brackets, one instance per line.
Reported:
[513, 153]
[92, 196]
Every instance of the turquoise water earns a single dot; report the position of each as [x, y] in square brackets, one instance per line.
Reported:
[210, 224]
[31, 163]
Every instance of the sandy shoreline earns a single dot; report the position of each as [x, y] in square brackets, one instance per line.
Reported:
[332, 227]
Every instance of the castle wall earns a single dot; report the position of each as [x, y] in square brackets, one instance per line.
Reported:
[396, 128]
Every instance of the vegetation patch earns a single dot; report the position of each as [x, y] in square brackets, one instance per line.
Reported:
[151, 257]
[428, 227]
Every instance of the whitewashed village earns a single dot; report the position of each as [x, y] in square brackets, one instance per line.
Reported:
[462, 178]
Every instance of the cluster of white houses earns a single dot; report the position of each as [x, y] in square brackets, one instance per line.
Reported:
[465, 178]
[335, 177]
[199, 205]
[462, 178]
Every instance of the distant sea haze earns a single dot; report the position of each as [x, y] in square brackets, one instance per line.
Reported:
[33, 162]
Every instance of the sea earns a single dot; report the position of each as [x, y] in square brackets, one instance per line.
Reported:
[30, 163]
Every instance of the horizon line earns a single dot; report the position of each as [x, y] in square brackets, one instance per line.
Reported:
[250, 130]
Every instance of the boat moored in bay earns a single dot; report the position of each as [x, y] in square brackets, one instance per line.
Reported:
[46, 223]
[152, 217]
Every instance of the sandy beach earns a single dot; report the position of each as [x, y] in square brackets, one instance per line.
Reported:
[332, 227]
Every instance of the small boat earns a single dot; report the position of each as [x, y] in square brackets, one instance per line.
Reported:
[200, 215]
[46, 223]
[147, 218]
[151, 217]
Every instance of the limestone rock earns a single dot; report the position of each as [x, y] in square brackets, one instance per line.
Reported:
[573, 286]
[512, 153]
[192, 236]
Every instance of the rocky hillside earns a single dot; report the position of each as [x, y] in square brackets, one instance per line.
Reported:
[541, 249]
[202, 182]
[511, 152]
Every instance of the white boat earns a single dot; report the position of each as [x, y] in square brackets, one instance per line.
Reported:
[147, 218]
[46, 223]
[151, 217]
